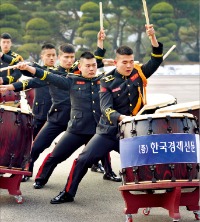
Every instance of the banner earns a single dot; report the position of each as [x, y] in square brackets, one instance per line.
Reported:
[159, 149]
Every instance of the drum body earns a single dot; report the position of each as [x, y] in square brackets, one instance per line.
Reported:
[145, 125]
[30, 93]
[15, 137]
[10, 98]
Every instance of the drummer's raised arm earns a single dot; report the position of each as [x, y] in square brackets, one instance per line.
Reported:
[151, 33]
[100, 38]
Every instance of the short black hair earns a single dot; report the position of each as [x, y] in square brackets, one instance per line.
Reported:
[48, 46]
[124, 50]
[87, 55]
[5, 36]
[66, 48]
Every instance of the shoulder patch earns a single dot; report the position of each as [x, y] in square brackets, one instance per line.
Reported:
[74, 65]
[14, 54]
[16, 58]
[54, 68]
[108, 78]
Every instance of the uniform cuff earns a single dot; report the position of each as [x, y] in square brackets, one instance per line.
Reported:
[18, 86]
[158, 50]
[99, 53]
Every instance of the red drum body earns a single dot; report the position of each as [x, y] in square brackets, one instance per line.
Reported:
[157, 101]
[30, 93]
[145, 125]
[10, 98]
[15, 137]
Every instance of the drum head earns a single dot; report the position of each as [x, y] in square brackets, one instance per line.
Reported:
[178, 108]
[156, 101]
[14, 109]
[156, 116]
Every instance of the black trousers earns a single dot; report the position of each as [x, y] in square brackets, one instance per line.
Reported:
[44, 139]
[37, 126]
[96, 149]
[69, 143]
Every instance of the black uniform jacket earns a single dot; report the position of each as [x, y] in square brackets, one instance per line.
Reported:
[11, 75]
[42, 99]
[60, 110]
[84, 96]
[119, 95]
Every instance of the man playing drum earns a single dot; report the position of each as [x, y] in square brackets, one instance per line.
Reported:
[120, 97]
[59, 113]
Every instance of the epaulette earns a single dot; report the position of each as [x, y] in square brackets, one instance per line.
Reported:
[14, 54]
[74, 65]
[108, 78]
[16, 58]
[54, 68]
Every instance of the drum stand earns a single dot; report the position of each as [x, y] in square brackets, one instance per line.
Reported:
[171, 199]
[12, 183]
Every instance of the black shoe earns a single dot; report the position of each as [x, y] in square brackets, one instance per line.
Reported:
[97, 168]
[62, 198]
[112, 176]
[25, 178]
[38, 185]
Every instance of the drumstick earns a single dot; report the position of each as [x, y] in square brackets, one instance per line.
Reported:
[141, 111]
[101, 15]
[169, 51]
[146, 13]
[11, 67]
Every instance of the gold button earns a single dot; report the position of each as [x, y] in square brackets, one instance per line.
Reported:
[130, 104]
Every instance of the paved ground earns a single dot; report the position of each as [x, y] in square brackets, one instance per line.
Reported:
[96, 200]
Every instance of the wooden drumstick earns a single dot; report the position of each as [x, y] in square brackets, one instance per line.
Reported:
[146, 13]
[11, 67]
[101, 15]
[169, 51]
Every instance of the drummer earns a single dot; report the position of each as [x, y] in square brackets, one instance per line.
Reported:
[120, 97]
[10, 75]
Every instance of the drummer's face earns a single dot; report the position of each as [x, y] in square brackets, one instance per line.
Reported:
[67, 60]
[88, 67]
[124, 64]
[5, 45]
[49, 57]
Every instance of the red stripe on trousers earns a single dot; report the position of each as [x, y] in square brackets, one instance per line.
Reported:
[41, 167]
[69, 182]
